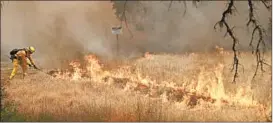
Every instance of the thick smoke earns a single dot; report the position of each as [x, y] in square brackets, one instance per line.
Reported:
[60, 31]
[65, 30]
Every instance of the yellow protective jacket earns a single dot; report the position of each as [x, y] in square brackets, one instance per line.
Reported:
[22, 58]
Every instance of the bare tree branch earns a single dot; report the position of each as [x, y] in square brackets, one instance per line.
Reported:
[229, 31]
[125, 20]
[252, 37]
[259, 49]
[185, 5]
[194, 2]
[236, 10]
[232, 67]
[265, 4]
[257, 29]
[143, 7]
[170, 5]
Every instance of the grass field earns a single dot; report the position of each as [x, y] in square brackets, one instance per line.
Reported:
[160, 87]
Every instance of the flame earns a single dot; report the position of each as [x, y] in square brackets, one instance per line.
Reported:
[92, 69]
[219, 49]
[208, 86]
[244, 96]
[77, 71]
[147, 55]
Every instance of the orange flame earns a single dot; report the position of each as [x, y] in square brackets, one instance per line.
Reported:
[208, 86]
[77, 71]
[147, 55]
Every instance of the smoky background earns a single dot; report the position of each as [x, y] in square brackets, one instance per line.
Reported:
[66, 30]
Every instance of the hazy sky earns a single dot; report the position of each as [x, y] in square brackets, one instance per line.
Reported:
[65, 29]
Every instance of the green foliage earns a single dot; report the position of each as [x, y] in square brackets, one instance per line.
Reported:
[119, 7]
[132, 9]
[9, 113]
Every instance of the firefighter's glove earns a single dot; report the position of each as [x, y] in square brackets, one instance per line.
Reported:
[29, 65]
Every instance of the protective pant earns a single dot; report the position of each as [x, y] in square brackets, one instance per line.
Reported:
[22, 63]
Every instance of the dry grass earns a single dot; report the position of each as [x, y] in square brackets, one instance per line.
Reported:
[116, 94]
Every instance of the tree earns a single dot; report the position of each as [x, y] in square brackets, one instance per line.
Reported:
[123, 7]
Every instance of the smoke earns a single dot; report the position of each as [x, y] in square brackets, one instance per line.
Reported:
[169, 30]
[62, 31]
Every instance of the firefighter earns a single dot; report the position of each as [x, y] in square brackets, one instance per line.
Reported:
[23, 58]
